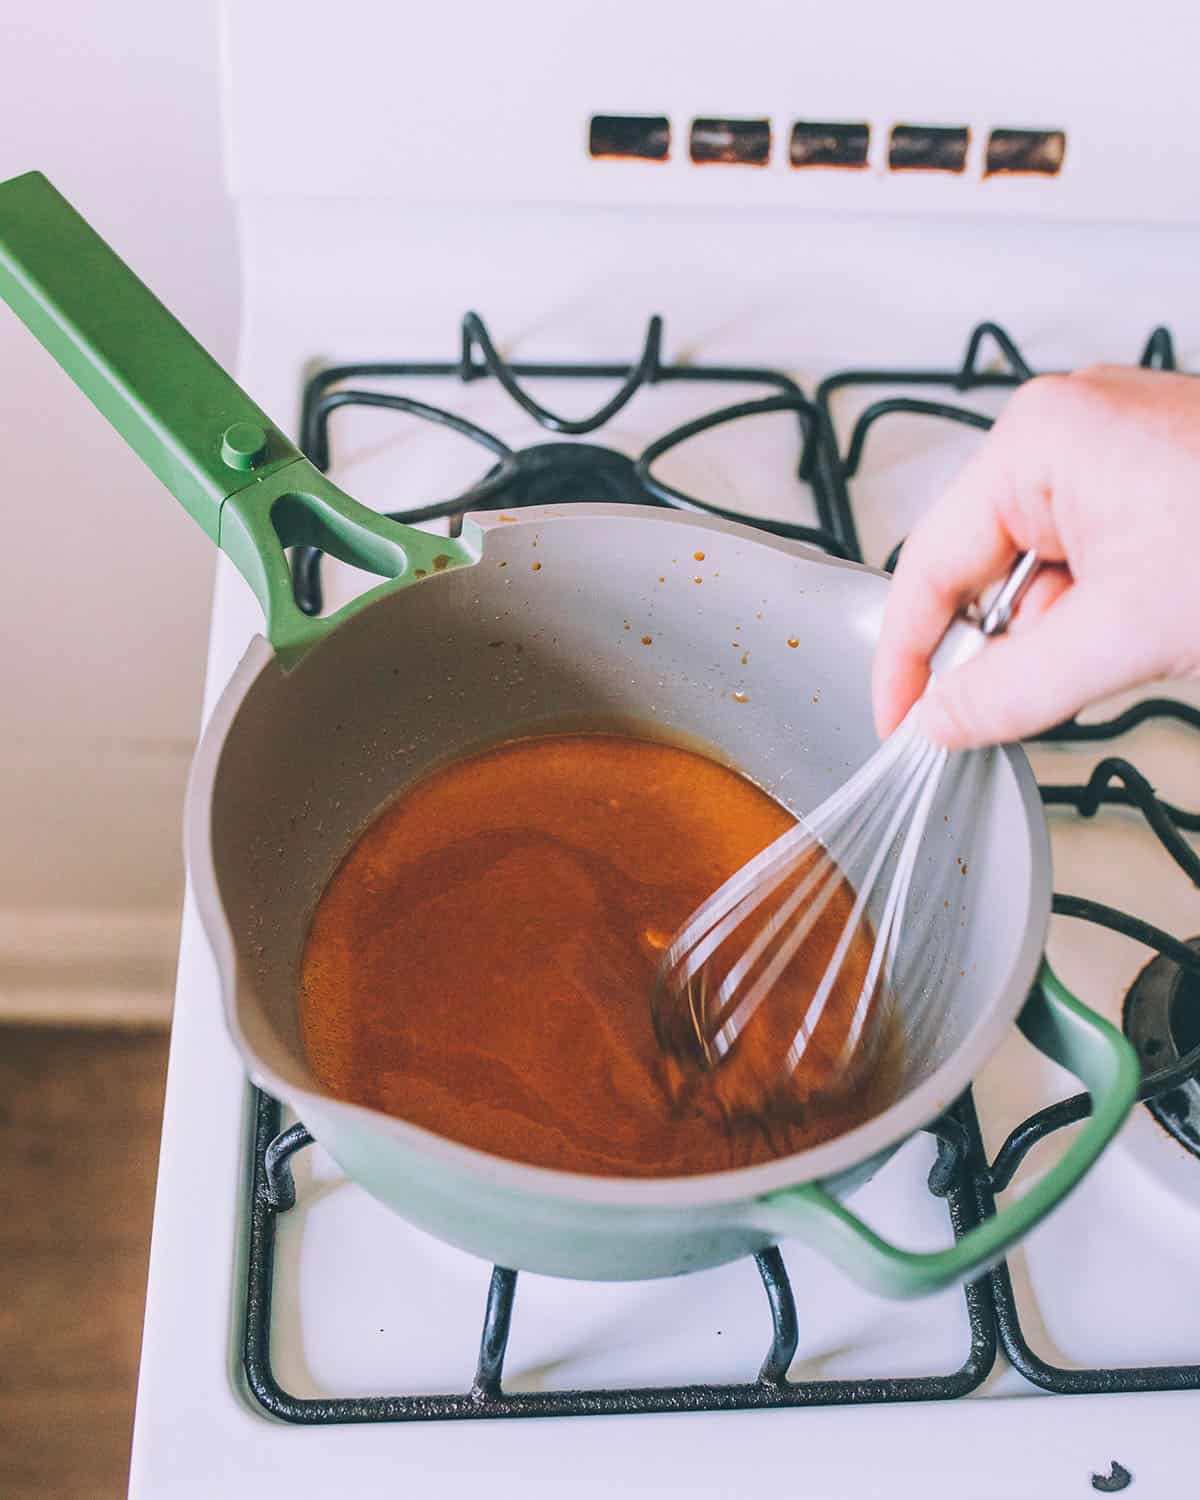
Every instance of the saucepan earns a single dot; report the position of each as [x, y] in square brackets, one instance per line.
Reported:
[528, 621]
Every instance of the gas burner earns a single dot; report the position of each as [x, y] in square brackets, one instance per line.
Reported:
[1162, 1020]
[565, 473]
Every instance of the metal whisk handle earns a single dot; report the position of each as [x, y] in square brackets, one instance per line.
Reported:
[999, 612]
[967, 634]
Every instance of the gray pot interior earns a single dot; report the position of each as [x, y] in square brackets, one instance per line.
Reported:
[297, 763]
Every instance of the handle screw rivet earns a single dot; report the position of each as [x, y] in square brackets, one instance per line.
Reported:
[243, 445]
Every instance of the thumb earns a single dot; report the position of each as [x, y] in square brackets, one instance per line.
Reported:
[1019, 685]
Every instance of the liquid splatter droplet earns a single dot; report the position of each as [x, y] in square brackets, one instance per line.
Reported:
[793, 642]
[537, 567]
[741, 697]
[699, 556]
[647, 640]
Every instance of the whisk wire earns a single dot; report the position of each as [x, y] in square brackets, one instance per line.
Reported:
[885, 949]
[843, 881]
[926, 758]
[760, 878]
[855, 837]
[830, 879]
[797, 916]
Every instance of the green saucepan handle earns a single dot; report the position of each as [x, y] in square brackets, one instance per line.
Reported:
[222, 458]
[1062, 1028]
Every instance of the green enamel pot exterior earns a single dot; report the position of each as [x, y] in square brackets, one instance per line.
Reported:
[464, 643]
[522, 1226]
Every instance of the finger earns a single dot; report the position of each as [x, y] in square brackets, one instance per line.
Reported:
[998, 506]
[957, 549]
[1022, 684]
[1048, 586]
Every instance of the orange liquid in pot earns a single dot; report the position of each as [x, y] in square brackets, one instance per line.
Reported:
[482, 961]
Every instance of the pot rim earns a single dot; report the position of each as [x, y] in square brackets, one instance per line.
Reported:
[876, 1137]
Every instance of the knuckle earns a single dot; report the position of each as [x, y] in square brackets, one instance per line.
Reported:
[1044, 393]
[1045, 402]
[1100, 387]
[1100, 373]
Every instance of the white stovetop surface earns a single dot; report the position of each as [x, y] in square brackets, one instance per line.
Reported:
[366, 1305]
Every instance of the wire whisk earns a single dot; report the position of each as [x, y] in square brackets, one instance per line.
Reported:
[781, 986]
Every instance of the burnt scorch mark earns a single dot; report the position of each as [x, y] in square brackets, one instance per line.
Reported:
[745, 143]
[829, 145]
[1118, 1478]
[928, 148]
[630, 137]
[1037, 152]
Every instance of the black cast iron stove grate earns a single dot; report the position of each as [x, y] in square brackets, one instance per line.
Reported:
[961, 1174]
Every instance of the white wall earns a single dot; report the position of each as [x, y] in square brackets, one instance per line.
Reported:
[105, 581]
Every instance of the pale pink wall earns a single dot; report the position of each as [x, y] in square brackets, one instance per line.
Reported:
[104, 584]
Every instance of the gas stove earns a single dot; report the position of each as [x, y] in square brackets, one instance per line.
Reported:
[822, 376]
[417, 1332]
[1158, 1012]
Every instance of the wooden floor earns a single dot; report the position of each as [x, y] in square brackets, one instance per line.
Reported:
[79, 1125]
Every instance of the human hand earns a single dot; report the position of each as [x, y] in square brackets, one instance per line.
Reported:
[1099, 473]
